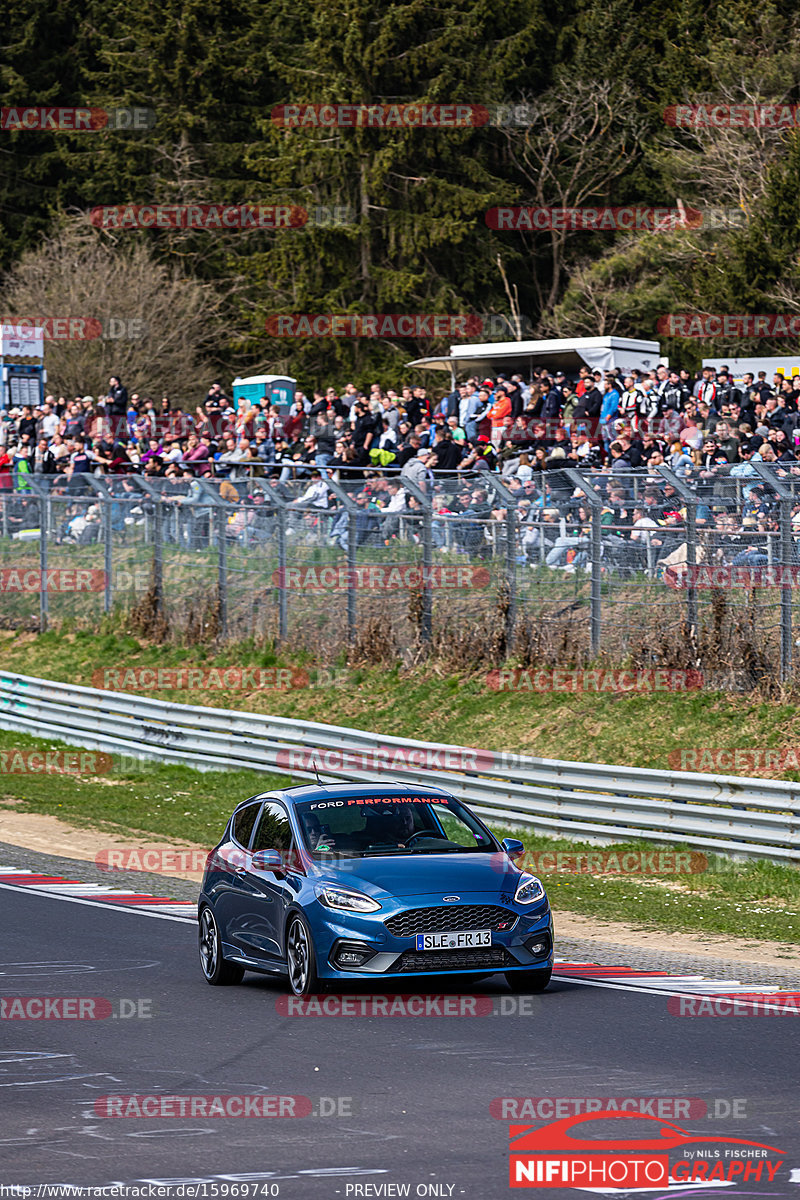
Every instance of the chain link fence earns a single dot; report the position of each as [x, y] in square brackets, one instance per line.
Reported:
[565, 568]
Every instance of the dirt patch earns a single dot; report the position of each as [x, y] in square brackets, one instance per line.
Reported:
[37, 831]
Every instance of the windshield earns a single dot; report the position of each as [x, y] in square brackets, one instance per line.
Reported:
[361, 826]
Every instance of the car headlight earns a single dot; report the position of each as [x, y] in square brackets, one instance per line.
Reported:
[344, 899]
[529, 890]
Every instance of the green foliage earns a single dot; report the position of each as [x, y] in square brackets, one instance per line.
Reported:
[418, 241]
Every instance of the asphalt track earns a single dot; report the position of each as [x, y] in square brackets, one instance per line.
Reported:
[411, 1095]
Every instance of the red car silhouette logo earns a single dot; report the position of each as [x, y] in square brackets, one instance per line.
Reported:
[555, 1137]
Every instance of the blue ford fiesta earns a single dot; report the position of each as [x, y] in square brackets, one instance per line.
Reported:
[329, 883]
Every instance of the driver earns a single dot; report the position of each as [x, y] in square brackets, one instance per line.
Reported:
[313, 828]
[391, 823]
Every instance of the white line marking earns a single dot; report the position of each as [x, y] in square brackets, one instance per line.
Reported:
[147, 912]
[692, 984]
[628, 987]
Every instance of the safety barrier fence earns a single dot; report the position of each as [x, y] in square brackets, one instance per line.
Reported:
[583, 801]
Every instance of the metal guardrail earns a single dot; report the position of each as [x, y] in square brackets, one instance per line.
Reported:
[593, 802]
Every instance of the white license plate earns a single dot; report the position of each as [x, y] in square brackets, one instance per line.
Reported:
[454, 941]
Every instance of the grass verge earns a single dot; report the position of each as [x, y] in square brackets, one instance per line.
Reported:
[645, 730]
[752, 900]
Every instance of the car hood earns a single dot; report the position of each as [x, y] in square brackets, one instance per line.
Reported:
[428, 874]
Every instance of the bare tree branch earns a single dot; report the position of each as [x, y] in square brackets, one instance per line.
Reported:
[149, 324]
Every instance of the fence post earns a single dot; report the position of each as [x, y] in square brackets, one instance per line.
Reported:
[352, 549]
[108, 564]
[691, 563]
[105, 500]
[509, 501]
[158, 554]
[786, 500]
[283, 623]
[222, 572]
[596, 554]
[786, 586]
[43, 536]
[689, 497]
[426, 503]
[351, 509]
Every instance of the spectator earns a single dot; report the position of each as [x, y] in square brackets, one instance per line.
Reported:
[418, 469]
[498, 413]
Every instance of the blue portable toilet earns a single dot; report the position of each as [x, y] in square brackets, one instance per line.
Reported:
[279, 389]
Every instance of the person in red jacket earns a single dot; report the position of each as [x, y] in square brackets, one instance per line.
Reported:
[6, 482]
[497, 415]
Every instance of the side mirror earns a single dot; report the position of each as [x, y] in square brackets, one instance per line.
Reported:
[513, 848]
[267, 860]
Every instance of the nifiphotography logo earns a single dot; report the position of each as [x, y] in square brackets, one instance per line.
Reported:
[568, 1154]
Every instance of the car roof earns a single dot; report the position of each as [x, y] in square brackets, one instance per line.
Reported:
[325, 791]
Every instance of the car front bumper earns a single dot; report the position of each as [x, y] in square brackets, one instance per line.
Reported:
[396, 957]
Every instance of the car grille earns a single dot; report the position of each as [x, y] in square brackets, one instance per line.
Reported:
[434, 920]
[492, 958]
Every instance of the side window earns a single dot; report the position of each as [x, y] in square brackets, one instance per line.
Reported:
[243, 823]
[274, 831]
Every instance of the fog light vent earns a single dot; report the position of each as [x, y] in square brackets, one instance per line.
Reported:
[352, 954]
[539, 945]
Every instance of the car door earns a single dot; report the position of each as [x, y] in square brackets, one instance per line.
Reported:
[226, 886]
[263, 896]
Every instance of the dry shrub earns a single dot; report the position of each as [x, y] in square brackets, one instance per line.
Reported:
[551, 640]
[203, 625]
[375, 644]
[147, 616]
[727, 647]
[462, 644]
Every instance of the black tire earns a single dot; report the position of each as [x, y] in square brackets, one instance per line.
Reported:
[301, 959]
[216, 970]
[529, 981]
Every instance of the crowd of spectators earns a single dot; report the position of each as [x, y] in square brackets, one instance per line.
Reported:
[620, 427]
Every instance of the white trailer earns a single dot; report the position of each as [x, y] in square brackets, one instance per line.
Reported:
[565, 354]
